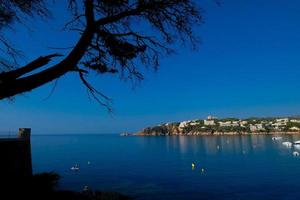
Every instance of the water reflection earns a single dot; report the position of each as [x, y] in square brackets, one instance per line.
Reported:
[235, 145]
[234, 167]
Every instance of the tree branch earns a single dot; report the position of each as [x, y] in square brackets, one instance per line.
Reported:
[14, 74]
[115, 18]
[94, 92]
[110, 43]
[17, 86]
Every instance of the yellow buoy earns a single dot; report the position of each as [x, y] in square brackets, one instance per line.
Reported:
[193, 166]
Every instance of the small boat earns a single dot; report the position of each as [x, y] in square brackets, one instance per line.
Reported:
[193, 166]
[297, 142]
[287, 144]
[75, 168]
[124, 134]
[276, 138]
[295, 153]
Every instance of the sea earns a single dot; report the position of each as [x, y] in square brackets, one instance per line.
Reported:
[251, 167]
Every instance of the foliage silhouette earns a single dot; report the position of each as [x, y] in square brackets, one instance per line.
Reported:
[116, 37]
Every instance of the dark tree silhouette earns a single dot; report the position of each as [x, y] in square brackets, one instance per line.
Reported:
[116, 36]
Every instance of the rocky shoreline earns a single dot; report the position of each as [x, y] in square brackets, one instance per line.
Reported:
[226, 126]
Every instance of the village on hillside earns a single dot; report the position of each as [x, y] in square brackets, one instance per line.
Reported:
[214, 125]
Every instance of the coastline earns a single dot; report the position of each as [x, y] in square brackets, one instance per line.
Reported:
[217, 133]
[226, 126]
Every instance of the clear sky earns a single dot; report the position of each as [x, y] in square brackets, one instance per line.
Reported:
[248, 64]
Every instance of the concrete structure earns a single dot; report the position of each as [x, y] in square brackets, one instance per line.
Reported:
[243, 123]
[253, 128]
[259, 127]
[183, 124]
[280, 123]
[209, 122]
[211, 117]
[227, 123]
[294, 128]
[235, 123]
[256, 127]
[295, 120]
[15, 154]
[194, 123]
[282, 120]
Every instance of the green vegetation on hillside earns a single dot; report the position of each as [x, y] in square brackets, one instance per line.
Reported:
[226, 125]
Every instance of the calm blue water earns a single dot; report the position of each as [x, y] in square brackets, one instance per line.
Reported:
[243, 167]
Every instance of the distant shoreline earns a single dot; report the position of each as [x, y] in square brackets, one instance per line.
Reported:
[226, 126]
[215, 134]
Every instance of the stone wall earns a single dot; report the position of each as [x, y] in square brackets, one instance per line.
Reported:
[15, 155]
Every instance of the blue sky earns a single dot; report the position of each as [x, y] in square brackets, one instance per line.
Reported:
[248, 64]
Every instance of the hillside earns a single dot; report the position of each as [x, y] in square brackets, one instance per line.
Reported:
[213, 125]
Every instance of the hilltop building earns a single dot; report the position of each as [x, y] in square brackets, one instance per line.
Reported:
[282, 121]
[256, 127]
[294, 128]
[243, 123]
[209, 122]
[224, 124]
[209, 117]
[184, 124]
[295, 120]
[194, 123]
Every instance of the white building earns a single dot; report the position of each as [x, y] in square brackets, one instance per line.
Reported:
[243, 122]
[253, 128]
[229, 123]
[209, 117]
[183, 124]
[278, 124]
[209, 122]
[194, 123]
[259, 127]
[256, 127]
[295, 120]
[294, 128]
[235, 123]
[283, 120]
